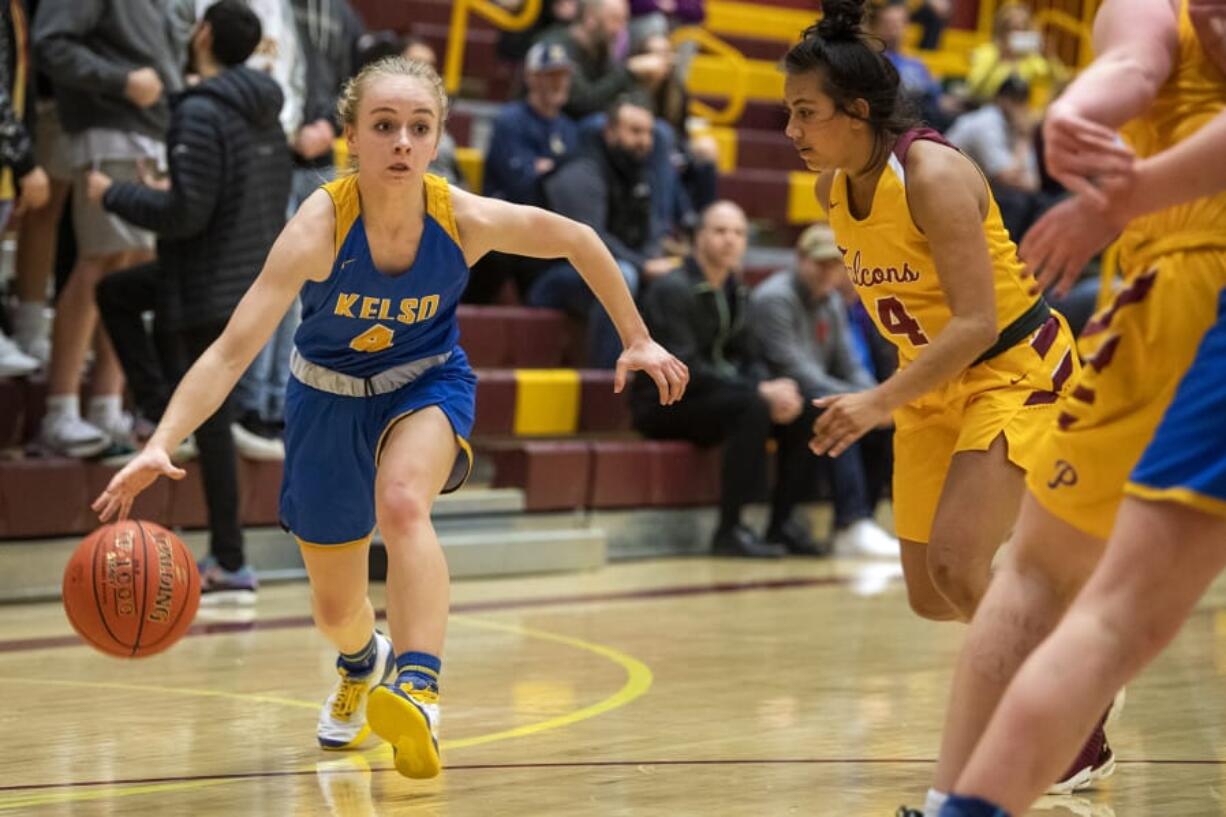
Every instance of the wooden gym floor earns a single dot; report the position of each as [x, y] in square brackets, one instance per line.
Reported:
[682, 687]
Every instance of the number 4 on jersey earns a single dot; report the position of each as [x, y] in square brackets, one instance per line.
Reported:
[898, 321]
[375, 339]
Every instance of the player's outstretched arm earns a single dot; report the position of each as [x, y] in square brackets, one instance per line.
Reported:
[302, 251]
[490, 224]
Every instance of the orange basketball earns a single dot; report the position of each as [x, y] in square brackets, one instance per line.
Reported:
[131, 589]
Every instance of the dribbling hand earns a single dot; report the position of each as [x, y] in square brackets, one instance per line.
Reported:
[135, 477]
[647, 356]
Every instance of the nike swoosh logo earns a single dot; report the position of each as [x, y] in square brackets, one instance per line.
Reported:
[347, 263]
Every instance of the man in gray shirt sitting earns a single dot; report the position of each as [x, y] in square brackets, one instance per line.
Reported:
[801, 331]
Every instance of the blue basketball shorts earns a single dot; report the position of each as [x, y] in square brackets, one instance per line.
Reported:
[333, 444]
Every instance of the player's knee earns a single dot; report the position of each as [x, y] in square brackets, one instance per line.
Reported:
[401, 507]
[957, 581]
[931, 606]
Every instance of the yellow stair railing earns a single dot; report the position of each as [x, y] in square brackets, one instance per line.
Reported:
[737, 72]
[496, 14]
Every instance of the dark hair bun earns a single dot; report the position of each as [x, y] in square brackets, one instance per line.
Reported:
[841, 20]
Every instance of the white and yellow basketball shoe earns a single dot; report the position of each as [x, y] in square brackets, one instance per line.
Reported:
[342, 721]
[407, 717]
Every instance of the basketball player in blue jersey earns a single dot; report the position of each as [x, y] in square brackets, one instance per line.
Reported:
[381, 399]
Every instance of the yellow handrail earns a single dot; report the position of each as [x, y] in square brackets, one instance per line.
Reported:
[499, 16]
[738, 68]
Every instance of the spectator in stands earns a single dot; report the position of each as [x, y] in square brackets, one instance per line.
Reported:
[888, 22]
[701, 313]
[608, 187]
[999, 137]
[531, 138]
[229, 180]
[1016, 48]
[656, 18]
[38, 232]
[693, 158]
[23, 184]
[111, 64]
[932, 17]
[513, 45]
[801, 330]
[599, 77]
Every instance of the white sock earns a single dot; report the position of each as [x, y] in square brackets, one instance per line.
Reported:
[63, 405]
[105, 407]
[933, 802]
[29, 319]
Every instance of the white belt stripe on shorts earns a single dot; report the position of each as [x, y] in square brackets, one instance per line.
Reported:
[324, 379]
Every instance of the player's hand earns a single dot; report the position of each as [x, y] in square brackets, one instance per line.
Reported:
[845, 419]
[670, 375]
[1082, 154]
[1060, 244]
[136, 476]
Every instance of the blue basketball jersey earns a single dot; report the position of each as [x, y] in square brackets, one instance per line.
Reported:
[361, 321]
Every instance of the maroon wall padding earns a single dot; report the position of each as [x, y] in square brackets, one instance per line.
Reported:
[599, 408]
[36, 407]
[538, 337]
[12, 412]
[762, 193]
[46, 497]
[483, 335]
[186, 507]
[552, 475]
[496, 391]
[683, 474]
[620, 474]
[260, 491]
[152, 504]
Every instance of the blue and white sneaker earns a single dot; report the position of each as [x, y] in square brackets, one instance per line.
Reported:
[221, 587]
[407, 717]
[342, 721]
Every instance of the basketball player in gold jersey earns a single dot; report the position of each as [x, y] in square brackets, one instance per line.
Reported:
[983, 361]
[1154, 361]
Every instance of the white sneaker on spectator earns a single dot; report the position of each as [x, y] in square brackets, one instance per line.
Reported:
[254, 447]
[13, 361]
[38, 348]
[865, 537]
[32, 330]
[70, 436]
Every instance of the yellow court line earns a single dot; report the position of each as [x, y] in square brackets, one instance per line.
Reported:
[638, 681]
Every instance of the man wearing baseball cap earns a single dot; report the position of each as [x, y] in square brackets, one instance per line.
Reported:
[530, 139]
[800, 324]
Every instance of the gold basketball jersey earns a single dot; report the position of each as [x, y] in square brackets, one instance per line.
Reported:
[890, 261]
